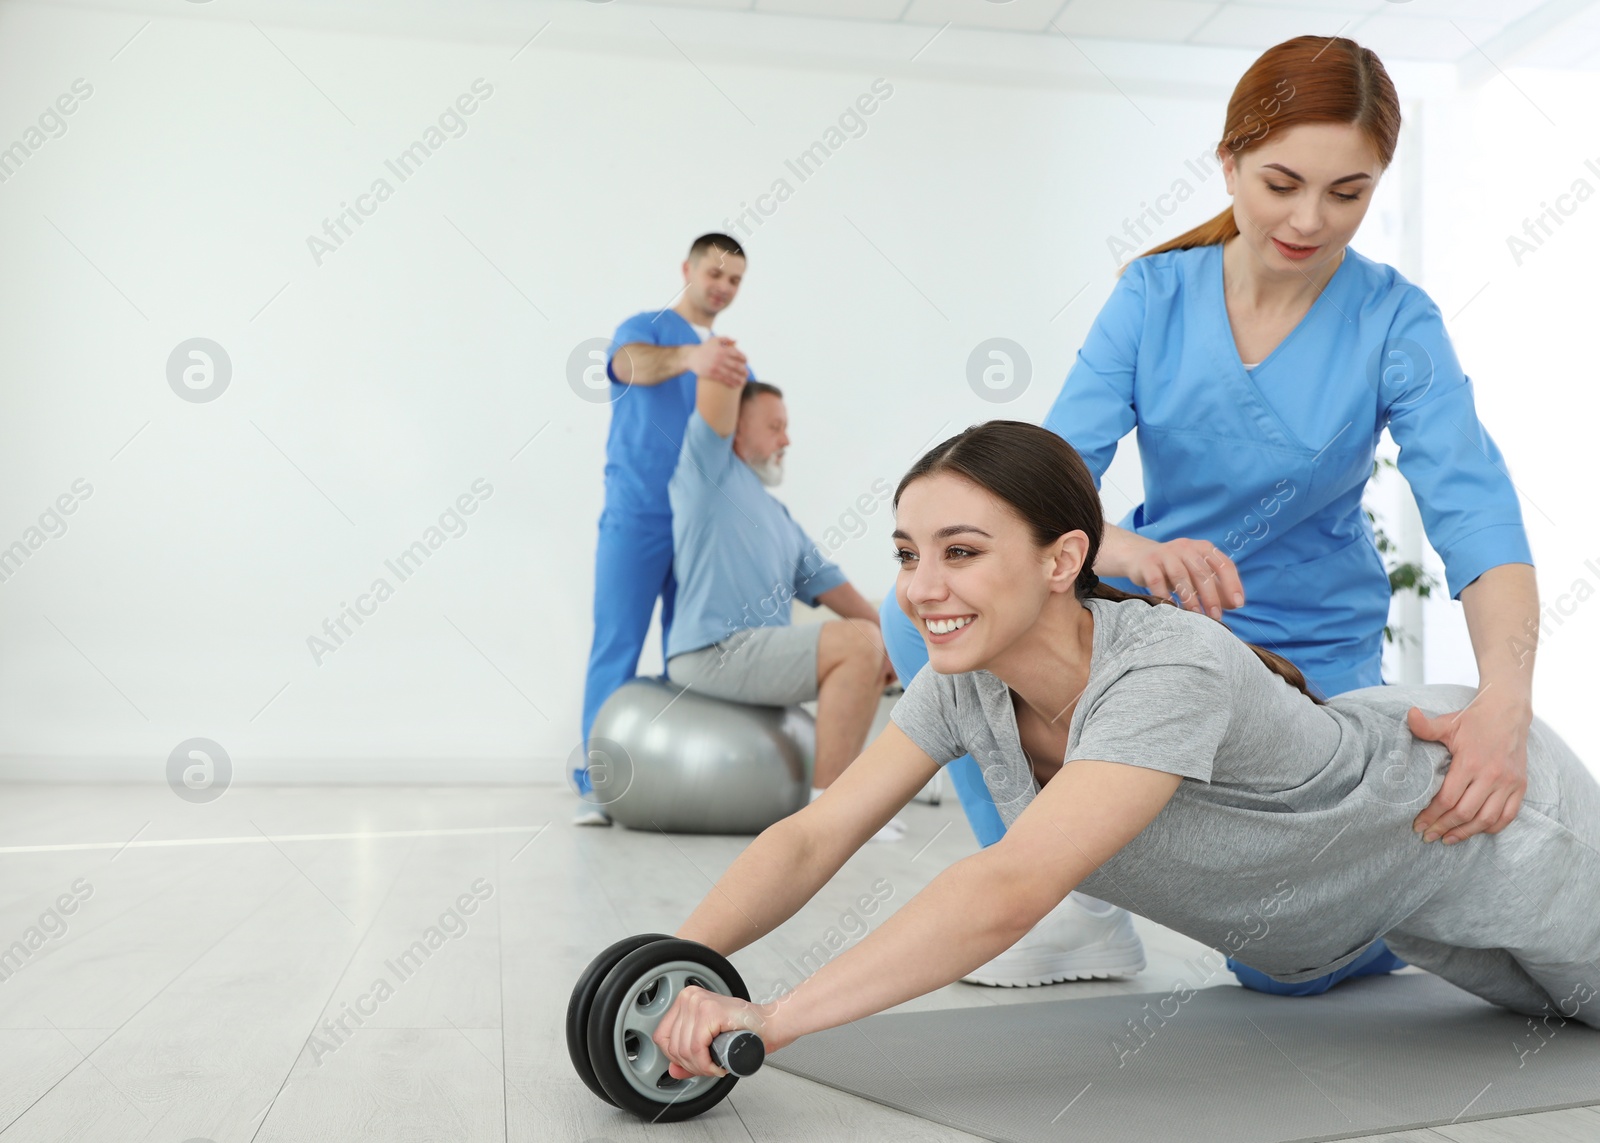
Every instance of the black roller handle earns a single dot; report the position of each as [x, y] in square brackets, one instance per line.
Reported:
[739, 1052]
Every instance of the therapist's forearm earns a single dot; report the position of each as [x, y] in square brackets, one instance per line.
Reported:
[643, 364]
[1118, 550]
[1502, 608]
[964, 918]
[776, 874]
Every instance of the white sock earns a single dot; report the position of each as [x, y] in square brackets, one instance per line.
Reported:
[1093, 904]
[815, 794]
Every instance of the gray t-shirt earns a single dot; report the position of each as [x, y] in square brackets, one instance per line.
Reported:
[1288, 845]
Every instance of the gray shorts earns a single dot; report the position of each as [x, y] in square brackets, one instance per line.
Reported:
[764, 666]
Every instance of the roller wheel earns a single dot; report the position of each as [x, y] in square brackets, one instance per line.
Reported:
[628, 1005]
[583, 998]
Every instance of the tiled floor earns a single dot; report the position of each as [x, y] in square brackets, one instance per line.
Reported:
[189, 987]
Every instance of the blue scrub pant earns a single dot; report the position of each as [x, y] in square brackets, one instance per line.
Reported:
[909, 654]
[632, 568]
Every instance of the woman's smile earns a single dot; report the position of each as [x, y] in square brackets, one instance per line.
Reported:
[943, 629]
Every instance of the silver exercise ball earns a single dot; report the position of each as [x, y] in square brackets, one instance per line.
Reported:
[661, 757]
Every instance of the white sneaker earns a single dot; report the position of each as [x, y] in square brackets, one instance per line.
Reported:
[589, 814]
[1083, 938]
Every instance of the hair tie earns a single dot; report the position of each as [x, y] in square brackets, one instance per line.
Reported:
[1094, 582]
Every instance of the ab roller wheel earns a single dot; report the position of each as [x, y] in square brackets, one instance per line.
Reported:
[615, 1008]
[583, 999]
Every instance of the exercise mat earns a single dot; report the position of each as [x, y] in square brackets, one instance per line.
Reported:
[1213, 1065]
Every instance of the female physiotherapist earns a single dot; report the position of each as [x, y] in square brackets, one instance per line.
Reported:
[1259, 359]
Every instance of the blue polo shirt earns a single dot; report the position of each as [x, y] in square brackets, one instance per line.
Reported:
[647, 421]
[738, 556]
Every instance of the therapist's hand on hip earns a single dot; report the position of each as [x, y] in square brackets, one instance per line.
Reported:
[1196, 571]
[1482, 791]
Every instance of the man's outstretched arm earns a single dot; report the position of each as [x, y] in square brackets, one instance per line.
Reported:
[718, 404]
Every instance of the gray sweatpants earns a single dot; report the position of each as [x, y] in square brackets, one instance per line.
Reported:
[1519, 923]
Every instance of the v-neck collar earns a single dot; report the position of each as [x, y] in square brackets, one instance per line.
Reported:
[1246, 383]
[685, 322]
[1221, 282]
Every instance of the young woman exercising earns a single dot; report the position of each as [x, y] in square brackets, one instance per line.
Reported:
[1265, 336]
[1144, 753]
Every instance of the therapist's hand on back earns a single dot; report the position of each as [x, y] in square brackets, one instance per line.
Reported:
[1196, 571]
[718, 359]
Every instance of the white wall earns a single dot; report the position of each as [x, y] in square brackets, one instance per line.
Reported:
[1522, 320]
[424, 353]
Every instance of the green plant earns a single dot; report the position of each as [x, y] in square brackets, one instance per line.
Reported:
[1403, 575]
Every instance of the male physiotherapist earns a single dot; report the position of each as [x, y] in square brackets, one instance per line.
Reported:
[655, 359]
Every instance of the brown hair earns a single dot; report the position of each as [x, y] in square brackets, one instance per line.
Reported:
[714, 241]
[1045, 482]
[753, 389]
[1309, 79]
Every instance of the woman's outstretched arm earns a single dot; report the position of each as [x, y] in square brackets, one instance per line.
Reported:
[785, 866]
[970, 913]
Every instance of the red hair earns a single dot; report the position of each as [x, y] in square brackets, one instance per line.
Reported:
[1309, 79]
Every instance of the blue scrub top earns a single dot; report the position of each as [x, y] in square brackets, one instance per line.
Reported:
[647, 421]
[1270, 463]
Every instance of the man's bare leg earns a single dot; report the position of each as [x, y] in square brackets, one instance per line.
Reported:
[850, 672]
